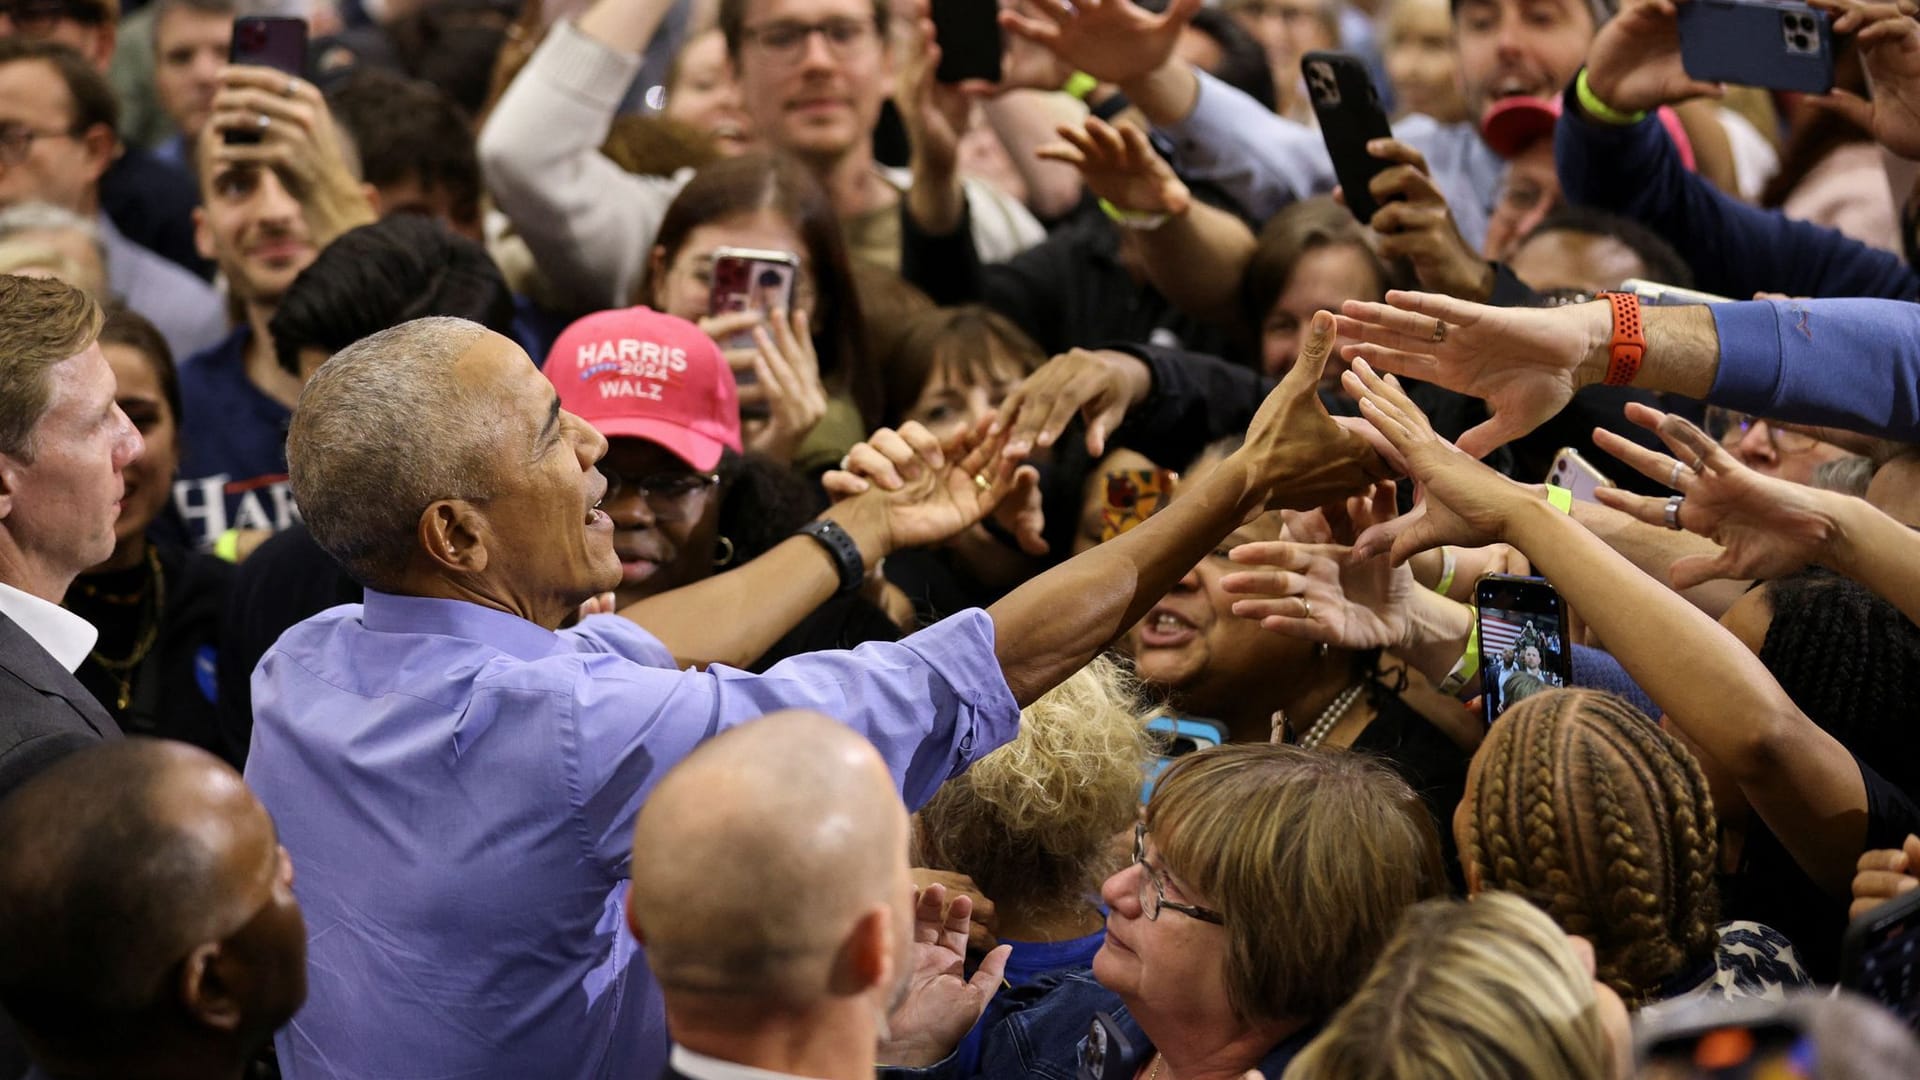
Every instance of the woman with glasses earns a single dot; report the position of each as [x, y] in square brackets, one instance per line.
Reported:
[1770, 448]
[1264, 882]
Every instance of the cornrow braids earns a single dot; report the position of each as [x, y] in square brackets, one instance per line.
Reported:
[1589, 810]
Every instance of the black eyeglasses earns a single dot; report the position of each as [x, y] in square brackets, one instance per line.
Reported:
[1155, 898]
[670, 496]
[786, 40]
[16, 141]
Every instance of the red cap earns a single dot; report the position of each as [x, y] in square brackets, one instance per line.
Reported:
[1513, 124]
[638, 373]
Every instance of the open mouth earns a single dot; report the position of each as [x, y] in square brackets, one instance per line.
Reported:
[1163, 629]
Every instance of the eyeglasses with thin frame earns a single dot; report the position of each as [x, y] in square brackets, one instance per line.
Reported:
[16, 141]
[786, 39]
[1728, 427]
[670, 496]
[1153, 886]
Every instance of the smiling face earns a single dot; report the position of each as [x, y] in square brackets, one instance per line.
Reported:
[705, 97]
[1508, 47]
[149, 477]
[683, 286]
[61, 507]
[250, 223]
[821, 102]
[657, 551]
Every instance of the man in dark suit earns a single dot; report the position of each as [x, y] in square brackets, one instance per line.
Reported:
[772, 892]
[63, 444]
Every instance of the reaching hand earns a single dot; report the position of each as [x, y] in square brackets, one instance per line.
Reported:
[941, 1004]
[1767, 527]
[1024, 63]
[299, 141]
[1297, 449]
[1885, 874]
[1888, 40]
[1319, 592]
[1119, 165]
[985, 914]
[1634, 62]
[1524, 362]
[1112, 40]
[934, 113]
[1098, 385]
[1414, 223]
[940, 490]
[786, 378]
[1464, 502]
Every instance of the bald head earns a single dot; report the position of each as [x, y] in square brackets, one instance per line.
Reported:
[115, 864]
[757, 857]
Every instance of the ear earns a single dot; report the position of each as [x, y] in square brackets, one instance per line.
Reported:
[101, 146]
[207, 991]
[9, 484]
[453, 537]
[870, 951]
[202, 236]
[373, 196]
[656, 276]
[633, 920]
[100, 52]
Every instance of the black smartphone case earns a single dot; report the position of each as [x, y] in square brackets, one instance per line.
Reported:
[1348, 107]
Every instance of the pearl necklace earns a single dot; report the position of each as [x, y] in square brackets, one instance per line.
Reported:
[1331, 716]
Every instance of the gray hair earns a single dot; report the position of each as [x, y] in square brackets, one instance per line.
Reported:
[1848, 475]
[382, 431]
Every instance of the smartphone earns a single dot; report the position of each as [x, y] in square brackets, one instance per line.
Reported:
[1573, 472]
[1523, 640]
[1105, 1052]
[266, 41]
[1130, 497]
[749, 279]
[969, 35]
[1880, 956]
[1712, 1038]
[1176, 737]
[1657, 293]
[1348, 106]
[1777, 44]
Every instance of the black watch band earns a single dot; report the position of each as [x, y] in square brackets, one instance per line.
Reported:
[845, 553]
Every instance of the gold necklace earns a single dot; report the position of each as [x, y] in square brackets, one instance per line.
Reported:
[121, 671]
[1157, 1059]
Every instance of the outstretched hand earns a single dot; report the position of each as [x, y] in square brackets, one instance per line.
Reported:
[1113, 40]
[1305, 458]
[1464, 502]
[941, 1003]
[1767, 527]
[1099, 385]
[929, 491]
[1319, 592]
[1119, 165]
[1524, 362]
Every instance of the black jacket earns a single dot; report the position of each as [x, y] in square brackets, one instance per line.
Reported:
[45, 714]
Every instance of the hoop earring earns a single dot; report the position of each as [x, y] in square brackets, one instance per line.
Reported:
[722, 552]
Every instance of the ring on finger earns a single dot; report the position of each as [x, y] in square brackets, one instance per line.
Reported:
[292, 88]
[1674, 503]
[1674, 480]
[1308, 604]
[980, 481]
[265, 120]
[1439, 331]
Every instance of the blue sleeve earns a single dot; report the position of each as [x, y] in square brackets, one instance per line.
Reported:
[1735, 250]
[930, 703]
[1261, 160]
[1853, 364]
[620, 636]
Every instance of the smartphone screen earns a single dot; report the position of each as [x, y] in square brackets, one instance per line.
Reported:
[1882, 956]
[968, 32]
[1131, 497]
[1523, 641]
[266, 41]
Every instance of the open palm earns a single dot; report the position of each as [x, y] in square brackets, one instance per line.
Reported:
[1112, 40]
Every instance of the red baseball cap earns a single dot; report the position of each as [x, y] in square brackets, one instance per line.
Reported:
[1513, 124]
[638, 373]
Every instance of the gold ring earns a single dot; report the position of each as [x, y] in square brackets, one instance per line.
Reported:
[1439, 331]
[1309, 606]
[980, 481]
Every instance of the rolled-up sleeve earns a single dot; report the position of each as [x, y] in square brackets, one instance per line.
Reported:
[931, 704]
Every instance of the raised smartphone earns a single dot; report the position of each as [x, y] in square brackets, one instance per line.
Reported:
[1777, 44]
[1880, 956]
[1576, 474]
[1348, 107]
[751, 279]
[266, 41]
[969, 35]
[1523, 640]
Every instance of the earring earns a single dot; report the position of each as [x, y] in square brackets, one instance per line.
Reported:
[722, 552]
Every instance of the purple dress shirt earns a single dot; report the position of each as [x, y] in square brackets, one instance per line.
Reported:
[457, 788]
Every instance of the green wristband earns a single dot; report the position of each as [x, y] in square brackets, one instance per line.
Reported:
[1079, 85]
[1598, 109]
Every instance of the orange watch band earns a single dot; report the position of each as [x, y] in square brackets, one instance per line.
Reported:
[1629, 344]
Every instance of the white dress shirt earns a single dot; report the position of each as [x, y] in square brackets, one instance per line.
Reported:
[66, 636]
[701, 1067]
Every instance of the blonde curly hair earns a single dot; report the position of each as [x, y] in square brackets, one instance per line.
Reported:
[1033, 822]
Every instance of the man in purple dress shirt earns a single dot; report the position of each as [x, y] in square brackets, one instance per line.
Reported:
[458, 778]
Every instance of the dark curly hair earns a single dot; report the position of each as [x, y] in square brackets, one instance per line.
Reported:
[1592, 812]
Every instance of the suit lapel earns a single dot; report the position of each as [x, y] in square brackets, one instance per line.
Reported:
[35, 666]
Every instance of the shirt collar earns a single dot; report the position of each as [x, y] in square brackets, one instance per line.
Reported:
[67, 637]
[701, 1067]
[385, 612]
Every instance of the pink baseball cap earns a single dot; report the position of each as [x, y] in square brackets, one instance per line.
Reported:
[1513, 124]
[638, 373]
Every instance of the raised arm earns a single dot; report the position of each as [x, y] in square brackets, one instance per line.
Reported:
[1802, 782]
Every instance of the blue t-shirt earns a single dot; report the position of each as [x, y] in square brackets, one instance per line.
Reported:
[233, 447]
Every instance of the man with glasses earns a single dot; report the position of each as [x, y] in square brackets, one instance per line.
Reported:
[57, 118]
[813, 74]
[148, 926]
[1769, 447]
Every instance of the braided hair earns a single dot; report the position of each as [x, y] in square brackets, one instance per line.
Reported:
[1588, 809]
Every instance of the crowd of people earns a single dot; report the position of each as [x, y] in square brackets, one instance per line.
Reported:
[668, 538]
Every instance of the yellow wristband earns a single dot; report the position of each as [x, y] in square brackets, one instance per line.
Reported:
[1447, 568]
[1598, 109]
[227, 548]
[1560, 499]
[1079, 85]
[1469, 664]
